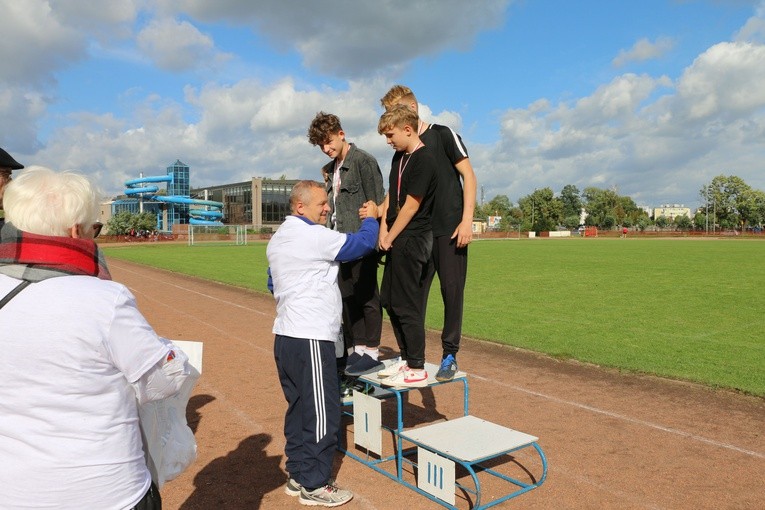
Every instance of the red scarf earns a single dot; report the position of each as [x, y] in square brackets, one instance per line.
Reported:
[51, 253]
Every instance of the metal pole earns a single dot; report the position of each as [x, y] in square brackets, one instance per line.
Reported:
[532, 209]
[706, 207]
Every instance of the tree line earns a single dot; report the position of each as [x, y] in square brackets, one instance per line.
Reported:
[728, 203]
[125, 222]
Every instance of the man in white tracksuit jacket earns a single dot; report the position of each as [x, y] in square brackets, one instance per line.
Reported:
[304, 258]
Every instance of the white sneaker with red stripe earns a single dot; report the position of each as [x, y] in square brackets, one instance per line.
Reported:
[392, 369]
[407, 378]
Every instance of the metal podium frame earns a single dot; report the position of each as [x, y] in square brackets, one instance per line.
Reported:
[431, 438]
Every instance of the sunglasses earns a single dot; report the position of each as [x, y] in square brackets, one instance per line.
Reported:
[97, 226]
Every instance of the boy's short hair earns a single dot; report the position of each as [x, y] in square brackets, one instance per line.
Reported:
[396, 95]
[322, 127]
[398, 115]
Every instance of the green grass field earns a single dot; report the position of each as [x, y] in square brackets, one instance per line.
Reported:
[683, 309]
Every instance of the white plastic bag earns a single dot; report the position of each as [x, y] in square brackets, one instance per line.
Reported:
[169, 443]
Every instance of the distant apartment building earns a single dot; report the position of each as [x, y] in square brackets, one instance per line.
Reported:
[671, 211]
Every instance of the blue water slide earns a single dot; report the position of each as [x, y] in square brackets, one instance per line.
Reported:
[208, 217]
[142, 180]
[139, 191]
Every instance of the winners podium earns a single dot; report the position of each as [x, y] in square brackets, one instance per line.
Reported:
[482, 462]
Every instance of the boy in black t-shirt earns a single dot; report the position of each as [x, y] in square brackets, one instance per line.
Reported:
[453, 209]
[406, 235]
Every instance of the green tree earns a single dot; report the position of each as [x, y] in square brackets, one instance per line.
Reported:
[146, 221]
[700, 220]
[643, 221]
[600, 203]
[123, 222]
[500, 205]
[609, 222]
[636, 217]
[683, 223]
[572, 202]
[729, 202]
[119, 224]
[758, 217]
[571, 222]
[511, 222]
[541, 211]
[606, 208]
[751, 207]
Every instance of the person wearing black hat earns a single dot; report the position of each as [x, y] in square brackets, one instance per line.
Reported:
[7, 165]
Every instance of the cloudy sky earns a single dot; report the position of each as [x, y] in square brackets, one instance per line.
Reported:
[651, 98]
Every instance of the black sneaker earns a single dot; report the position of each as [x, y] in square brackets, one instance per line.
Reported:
[352, 358]
[366, 364]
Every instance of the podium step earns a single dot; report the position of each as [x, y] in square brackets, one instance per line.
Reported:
[469, 439]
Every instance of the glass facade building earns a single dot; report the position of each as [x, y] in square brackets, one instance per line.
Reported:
[236, 199]
[178, 213]
[276, 200]
[259, 202]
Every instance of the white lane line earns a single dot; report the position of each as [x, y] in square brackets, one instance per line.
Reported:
[622, 417]
[215, 327]
[244, 418]
[190, 291]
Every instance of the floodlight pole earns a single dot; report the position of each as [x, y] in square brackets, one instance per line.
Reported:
[706, 207]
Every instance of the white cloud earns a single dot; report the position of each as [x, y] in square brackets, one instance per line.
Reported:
[35, 43]
[726, 80]
[353, 39]
[244, 129]
[644, 50]
[109, 20]
[754, 28]
[20, 110]
[652, 147]
[177, 45]
[656, 140]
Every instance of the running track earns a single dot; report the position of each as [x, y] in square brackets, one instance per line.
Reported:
[612, 440]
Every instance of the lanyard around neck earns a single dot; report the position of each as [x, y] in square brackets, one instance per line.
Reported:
[401, 168]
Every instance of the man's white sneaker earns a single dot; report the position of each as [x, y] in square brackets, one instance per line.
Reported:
[392, 369]
[328, 495]
[292, 488]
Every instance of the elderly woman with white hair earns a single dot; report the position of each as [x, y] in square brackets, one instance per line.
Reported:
[76, 357]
